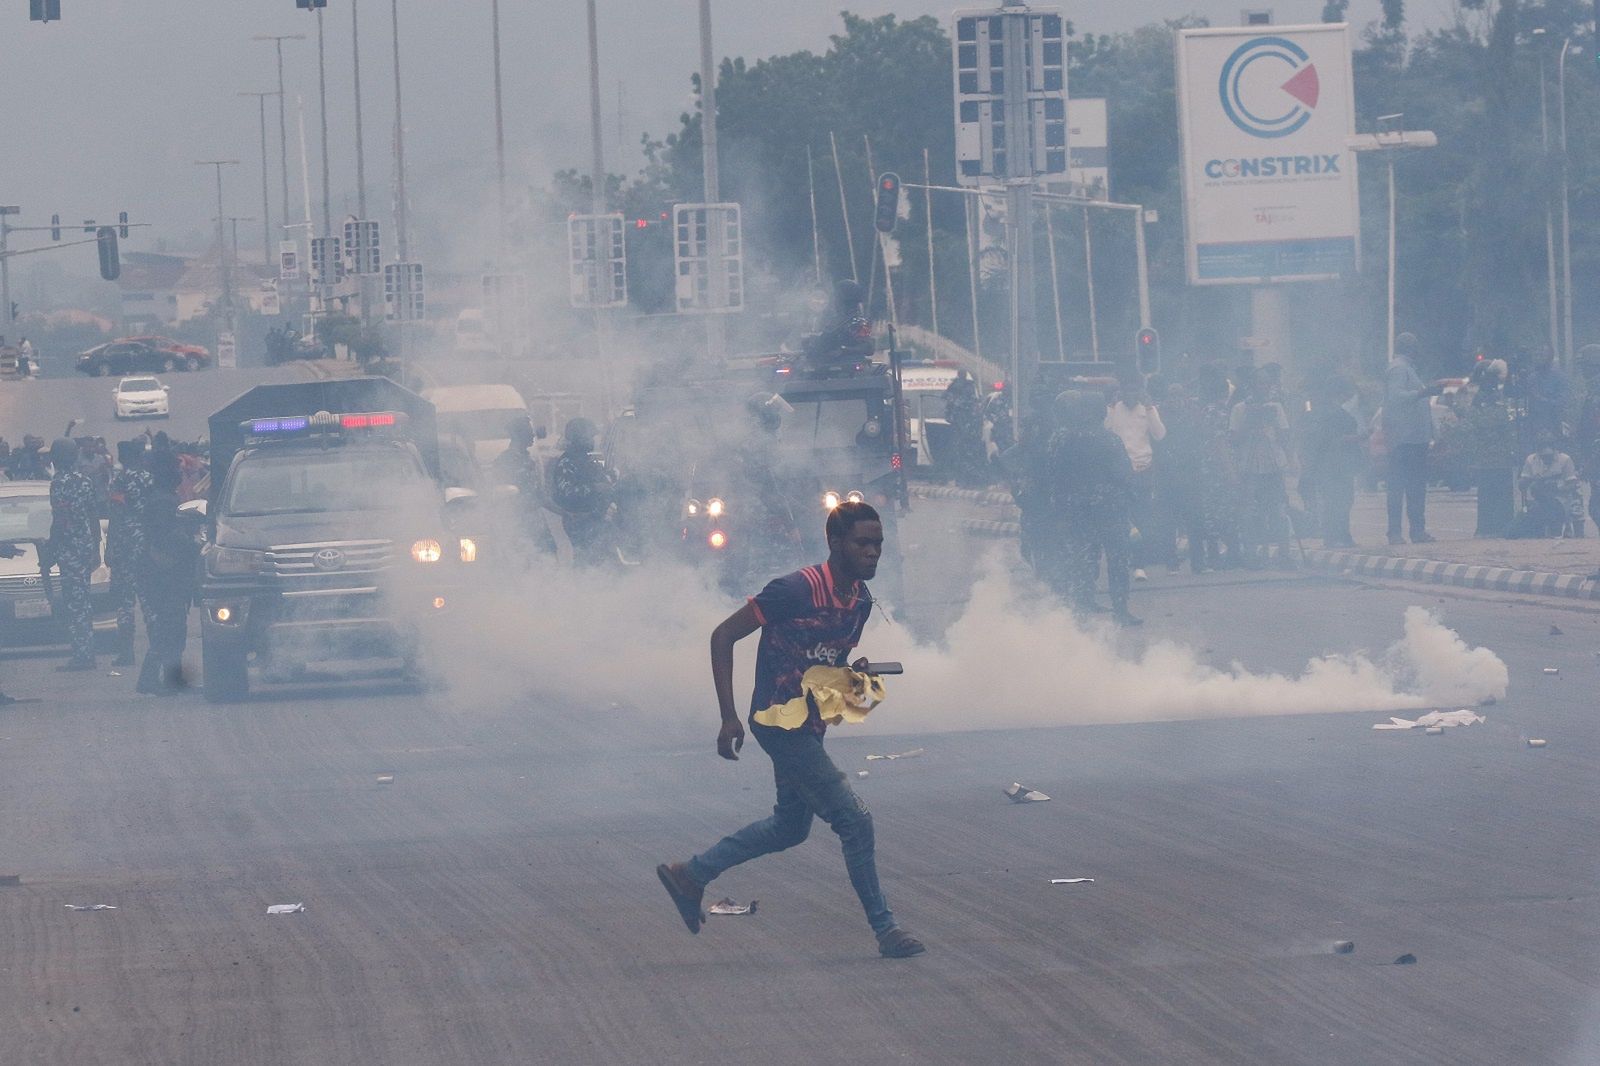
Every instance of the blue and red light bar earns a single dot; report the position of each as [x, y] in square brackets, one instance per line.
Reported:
[321, 422]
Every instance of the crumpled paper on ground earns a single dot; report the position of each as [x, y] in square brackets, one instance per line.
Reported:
[839, 693]
[1023, 794]
[89, 906]
[287, 908]
[1441, 719]
[912, 754]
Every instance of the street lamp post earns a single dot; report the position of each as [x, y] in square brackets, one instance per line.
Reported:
[322, 93]
[355, 66]
[266, 210]
[499, 129]
[1549, 216]
[1391, 141]
[399, 144]
[1566, 214]
[222, 242]
[283, 122]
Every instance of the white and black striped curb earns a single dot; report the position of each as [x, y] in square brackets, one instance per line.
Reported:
[1427, 571]
[988, 497]
[1460, 575]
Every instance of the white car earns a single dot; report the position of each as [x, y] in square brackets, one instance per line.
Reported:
[141, 397]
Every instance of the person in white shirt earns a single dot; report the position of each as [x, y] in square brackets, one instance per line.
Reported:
[1137, 423]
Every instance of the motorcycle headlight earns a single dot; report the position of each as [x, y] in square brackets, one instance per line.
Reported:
[715, 507]
[830, 500]
[856, 496]
[222, 562]
[426, 551]
[469, 550]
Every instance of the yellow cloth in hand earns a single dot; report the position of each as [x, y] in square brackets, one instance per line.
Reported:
[839, 693]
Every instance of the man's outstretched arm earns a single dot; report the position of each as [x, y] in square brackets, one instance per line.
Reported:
[734, 628]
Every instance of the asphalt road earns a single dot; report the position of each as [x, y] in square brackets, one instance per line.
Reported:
[496, 902]
[45, 406]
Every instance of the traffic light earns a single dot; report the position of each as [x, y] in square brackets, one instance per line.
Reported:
[1147, 348]
[55, 227]
[110, 262]
[44, 10]
[888, 202]
[122, 224]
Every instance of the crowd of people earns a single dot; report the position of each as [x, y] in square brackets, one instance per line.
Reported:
[122, 512]
[1225, 465]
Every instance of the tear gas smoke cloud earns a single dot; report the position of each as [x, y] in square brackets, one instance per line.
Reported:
[1010, 661]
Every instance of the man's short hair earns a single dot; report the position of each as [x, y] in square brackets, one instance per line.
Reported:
[843, 518]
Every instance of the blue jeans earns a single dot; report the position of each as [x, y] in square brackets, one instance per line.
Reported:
[808, 784]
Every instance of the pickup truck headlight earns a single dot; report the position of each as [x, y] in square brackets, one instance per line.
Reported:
[469, 550]
[426, 551]
[221, 562]
[715, 507]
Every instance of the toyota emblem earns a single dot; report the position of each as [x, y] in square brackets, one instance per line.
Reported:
[328, 559]
[30, 582]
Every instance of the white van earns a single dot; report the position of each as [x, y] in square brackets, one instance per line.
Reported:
[474, 418]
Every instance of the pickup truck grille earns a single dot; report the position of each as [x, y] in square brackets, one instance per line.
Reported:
[330, 559]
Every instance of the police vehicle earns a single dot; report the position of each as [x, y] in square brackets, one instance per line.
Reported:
[756, 458]
[330, 533]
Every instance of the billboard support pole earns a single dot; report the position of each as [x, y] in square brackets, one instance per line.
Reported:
[1143, 264]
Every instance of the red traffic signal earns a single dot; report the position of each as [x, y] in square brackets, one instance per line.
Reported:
[1147, 349]
[888, 202]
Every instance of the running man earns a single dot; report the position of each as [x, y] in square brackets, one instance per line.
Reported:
[812, 617]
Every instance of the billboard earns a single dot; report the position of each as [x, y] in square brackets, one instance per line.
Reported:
[1269, 183]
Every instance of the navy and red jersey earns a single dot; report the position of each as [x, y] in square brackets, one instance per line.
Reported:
[804, 623]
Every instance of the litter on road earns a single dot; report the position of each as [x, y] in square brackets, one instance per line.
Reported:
[912, 754]
[10, 880]
[729, 907]
[1552, 670]
[861, 773]
[1535, 742]
[1405, 960]
[1434, 730]
[1434, 720]
[1072, 880]
[89, 906]
[287, 908]
[1344, 947]
[1024, 794]
[385, 779]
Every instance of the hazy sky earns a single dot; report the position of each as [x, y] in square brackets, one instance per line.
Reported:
[109, 108]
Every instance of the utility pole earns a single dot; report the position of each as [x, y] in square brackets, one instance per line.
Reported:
[399, 144]
[598, 169]
[222, 242]
[716, 335]
[322, 92]
[1019, 204]
[1390, 140]
[283, 122]
[1549, 217]
[5, 264]
[1567, 352]
[266, 210]
[236, 219]
[499, 130]
[355, 66]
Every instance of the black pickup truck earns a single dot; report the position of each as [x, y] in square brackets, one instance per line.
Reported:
[330, 532]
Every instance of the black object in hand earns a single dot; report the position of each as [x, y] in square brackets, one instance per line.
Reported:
[878, 669]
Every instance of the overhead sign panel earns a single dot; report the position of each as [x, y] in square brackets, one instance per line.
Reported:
[708, 257]
[597, 261]
[1269, 181]
[983, 143]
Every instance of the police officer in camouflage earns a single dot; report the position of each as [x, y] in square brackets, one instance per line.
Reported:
[126, 541]
[74, 547]
[582, 489]
[168, 577]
